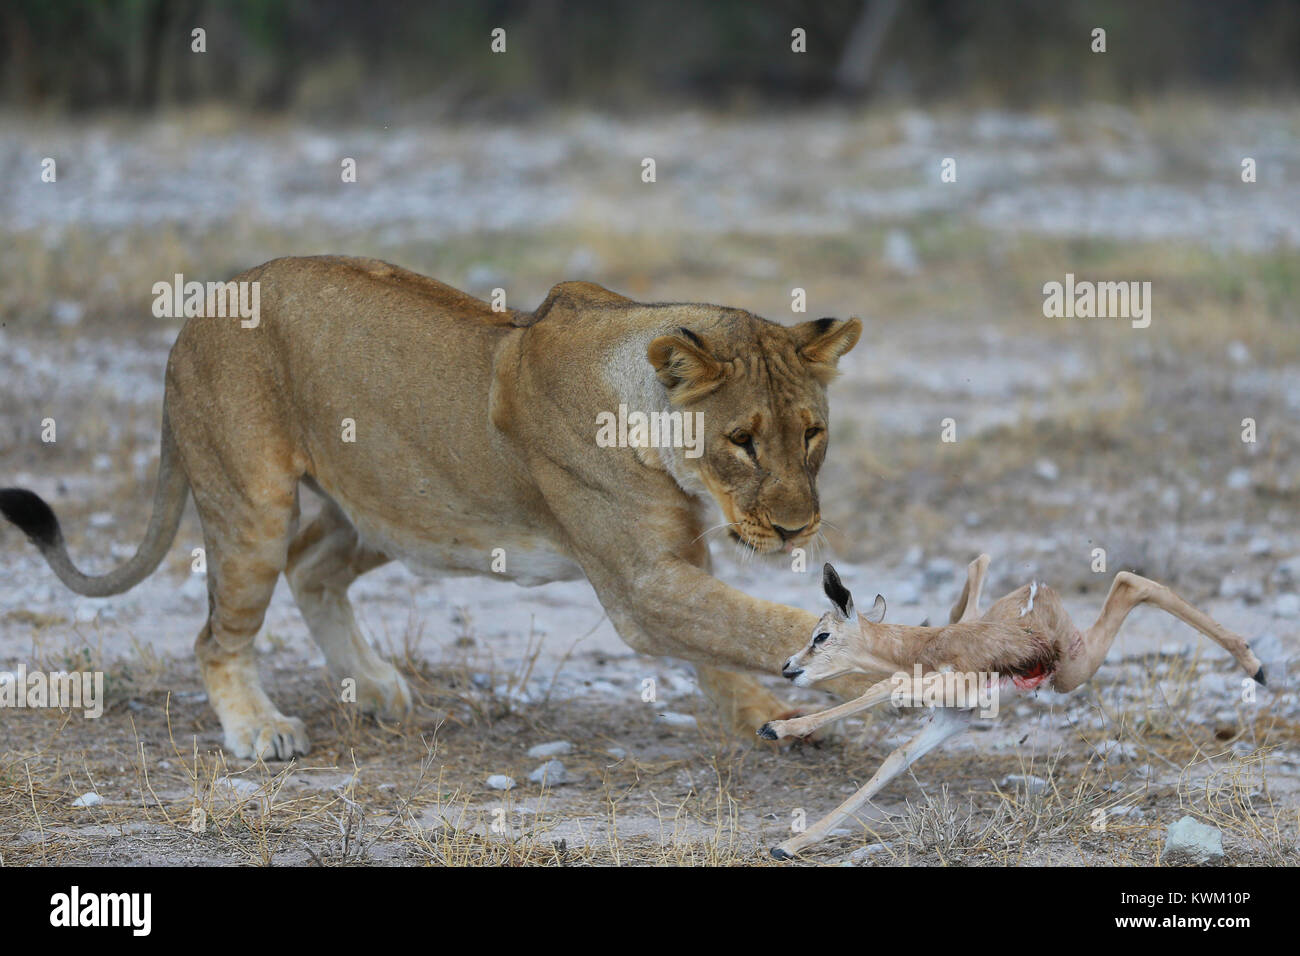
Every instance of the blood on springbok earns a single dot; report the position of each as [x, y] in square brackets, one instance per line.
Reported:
[1026, 641]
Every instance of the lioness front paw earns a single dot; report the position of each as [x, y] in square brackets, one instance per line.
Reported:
[270, 737]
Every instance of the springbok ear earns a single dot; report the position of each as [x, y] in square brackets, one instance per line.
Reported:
[877, 612]
[836, 591]
[685, 366]
[821, 342]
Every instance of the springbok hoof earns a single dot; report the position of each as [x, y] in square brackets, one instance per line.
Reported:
[780, 854]
[766, 731]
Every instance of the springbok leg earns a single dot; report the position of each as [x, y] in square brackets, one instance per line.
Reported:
[1085, 653]
[945, 722]
[808, 723]
[967, 607]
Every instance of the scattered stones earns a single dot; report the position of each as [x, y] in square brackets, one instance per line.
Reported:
[91, 799]
[1023, 781]
[556, 748]
[1114, 751]
[899, 253]
[868, 851]
[235, 790]
[1123, 810]
[1287, 571]
[905, 592]
[1189, 841]
[1239, 587]
[68, 313]
[499, 781]
[678, 720]
[1259, 547]
[938, 572]
[551, 773]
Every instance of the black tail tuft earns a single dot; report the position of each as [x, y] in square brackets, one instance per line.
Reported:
[32, 515]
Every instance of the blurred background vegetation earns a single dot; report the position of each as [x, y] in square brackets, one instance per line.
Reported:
[349, 59]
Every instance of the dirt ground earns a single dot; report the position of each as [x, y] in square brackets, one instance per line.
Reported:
[1072, 435]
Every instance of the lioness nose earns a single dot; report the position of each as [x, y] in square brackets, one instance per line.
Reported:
[788, 533]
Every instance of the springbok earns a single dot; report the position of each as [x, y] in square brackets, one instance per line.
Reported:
[1024, 642]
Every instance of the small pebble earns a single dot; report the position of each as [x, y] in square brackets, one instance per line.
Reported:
[551, 773]
[499, 781]
[556, 748]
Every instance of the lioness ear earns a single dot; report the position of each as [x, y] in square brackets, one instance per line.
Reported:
[821, 342]
[685, 366]
[836, 591]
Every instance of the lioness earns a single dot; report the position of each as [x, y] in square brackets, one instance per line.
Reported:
[473, 430]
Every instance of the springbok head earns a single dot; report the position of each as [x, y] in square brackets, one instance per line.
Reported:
[830, 651]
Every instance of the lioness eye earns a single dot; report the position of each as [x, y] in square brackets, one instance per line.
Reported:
[821, 637]
[810, 434]
[746, 441]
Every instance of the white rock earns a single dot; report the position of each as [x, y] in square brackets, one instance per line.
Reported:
[236, 789]
[938, 571]
[91, 799]
[868, 851]
[678, 720]
[1023, 781]
[1287, 606]
[899, 253]
[1240, 587]
[1114, 751]
[1238, 353]
[1189, 841]
[1239, 479]
[499, 781]
[68, 312]
[1259, 547]
[556, 748]
[551, 773]
[1126, 811]
[905, 592]
[1046, 469]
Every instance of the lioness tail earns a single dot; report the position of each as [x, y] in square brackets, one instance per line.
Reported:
[33, 516]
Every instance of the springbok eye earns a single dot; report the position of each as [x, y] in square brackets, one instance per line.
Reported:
[821, 637]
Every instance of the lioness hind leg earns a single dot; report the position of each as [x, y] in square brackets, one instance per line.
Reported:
[324, 560]
[245, 554]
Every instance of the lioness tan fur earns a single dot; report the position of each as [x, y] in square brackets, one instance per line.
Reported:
[475, 430]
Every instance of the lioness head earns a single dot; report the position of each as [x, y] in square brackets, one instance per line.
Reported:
[761, 389]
